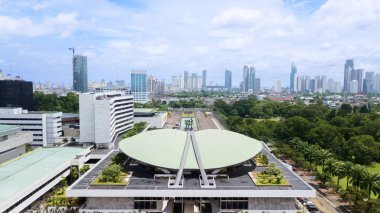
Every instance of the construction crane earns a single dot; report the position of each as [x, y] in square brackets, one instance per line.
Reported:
[74, 48]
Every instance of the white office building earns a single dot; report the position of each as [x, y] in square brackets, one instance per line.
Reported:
[104, 116]
[45, 126]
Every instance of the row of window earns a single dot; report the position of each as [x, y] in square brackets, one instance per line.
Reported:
[234, 204]
[21, 124]
[145, 205]
[22, 119]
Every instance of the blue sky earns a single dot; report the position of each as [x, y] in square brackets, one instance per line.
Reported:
[167, 37]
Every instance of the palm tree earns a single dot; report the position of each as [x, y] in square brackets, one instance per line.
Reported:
[370, 180]
[330, 164]
[347, 166]
[357, 174]
[339, 170]
[321, 157]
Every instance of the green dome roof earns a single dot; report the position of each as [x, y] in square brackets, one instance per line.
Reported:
[164, 148]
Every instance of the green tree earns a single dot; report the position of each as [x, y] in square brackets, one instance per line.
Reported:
[322, 155]
[369, 181]
[357, 174]
[84, 168]
[362, 149]
[324, 177]
[345, 109]
[111, 173]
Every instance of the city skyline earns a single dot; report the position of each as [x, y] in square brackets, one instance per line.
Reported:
[233, 34]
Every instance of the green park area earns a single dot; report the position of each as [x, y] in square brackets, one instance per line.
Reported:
[335, 145]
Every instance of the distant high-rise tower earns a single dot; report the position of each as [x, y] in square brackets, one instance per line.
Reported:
[293, 74]
[248, 79]
[277, 87]
[194, 81]
[204, 79]
[139, 87]
[186, 80]
[80, 80]
[228, 80]
[359, 78]
[348, 67]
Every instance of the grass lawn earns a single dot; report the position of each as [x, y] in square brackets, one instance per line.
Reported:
[122, 181]
[373, 168]
[267, 119]
[263, 181]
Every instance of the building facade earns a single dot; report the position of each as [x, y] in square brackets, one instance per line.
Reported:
[204, 79]
[16, 93]
[248, 79]
[45, 126]
[104, 117]
[13, 142]
[228, 80]
[293, 74]
[139, 87]
[348, 67]
[80, 81]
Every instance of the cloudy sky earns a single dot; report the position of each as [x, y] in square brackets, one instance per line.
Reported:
[167, 37]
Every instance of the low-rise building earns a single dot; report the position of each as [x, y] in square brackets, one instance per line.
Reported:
[104, 116]
[153, 117]
[13, 142]
[26, 179]
[45, 126]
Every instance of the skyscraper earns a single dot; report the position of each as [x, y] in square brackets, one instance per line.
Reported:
[204, 79]
[359, 78]
[277, 87]
[293, 73]
[369, 81]
[245, 78]
[348, 67]
[228, 80]
[80, 81]
[249, 75]
[257, 85]
[330, 85]
[186, 80]
[194, 81]
[354, 86]
[139, 89]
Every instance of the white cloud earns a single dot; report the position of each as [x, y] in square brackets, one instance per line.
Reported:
[62, 24]
[168, 37]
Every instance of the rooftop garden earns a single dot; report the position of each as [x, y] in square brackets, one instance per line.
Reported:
[261, 159]
[137, 128]
[271, 176]
[113, 174]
